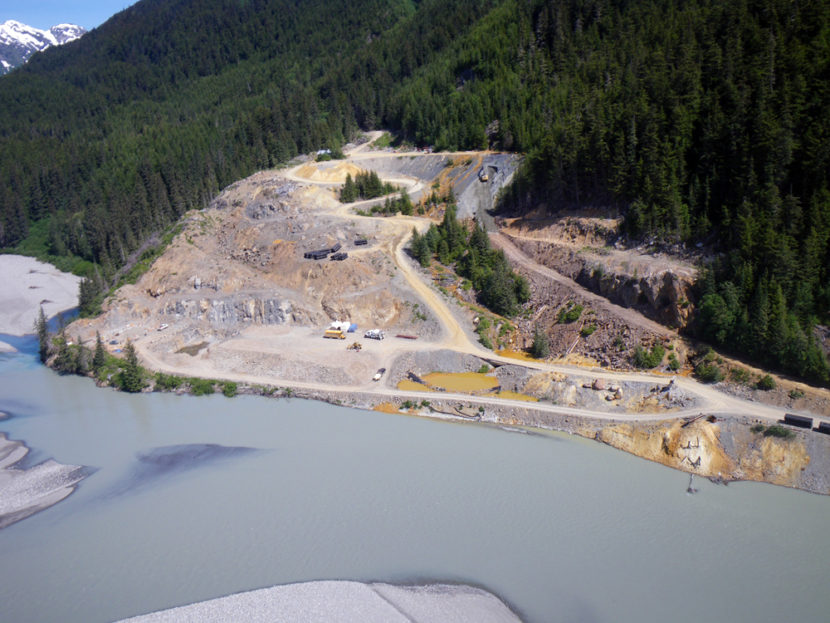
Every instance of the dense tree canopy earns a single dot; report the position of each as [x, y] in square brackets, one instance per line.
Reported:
[702, 121]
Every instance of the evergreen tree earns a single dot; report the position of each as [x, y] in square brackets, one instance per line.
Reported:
[65, 357]
[420, 248]
[405, 203]
[132, 375]
[99, 359]
[42, 330]
[349, 191]
[82, 358]
[540, 349]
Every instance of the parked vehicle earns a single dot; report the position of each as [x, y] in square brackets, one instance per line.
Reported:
[334, 334]
[374, 334]
[379, 374]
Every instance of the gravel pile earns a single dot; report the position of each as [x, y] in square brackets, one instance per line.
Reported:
[424, 362]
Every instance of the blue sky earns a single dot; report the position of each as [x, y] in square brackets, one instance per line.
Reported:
[44, 14]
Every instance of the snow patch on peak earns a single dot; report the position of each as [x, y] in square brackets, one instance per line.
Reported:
[19, 41]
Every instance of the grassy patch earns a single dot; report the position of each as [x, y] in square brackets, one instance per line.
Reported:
[776, 430]
[383, 141]
[766, 383]
[201, 387]
[709, 372]
[740, 375]
[167, 382]
[648, 359]
[570, 313]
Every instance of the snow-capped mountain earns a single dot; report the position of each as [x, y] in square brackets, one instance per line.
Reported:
[19, 41]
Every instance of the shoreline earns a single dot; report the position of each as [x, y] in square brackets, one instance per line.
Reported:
[665, 439]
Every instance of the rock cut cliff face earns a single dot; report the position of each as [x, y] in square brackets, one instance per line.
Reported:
[586, 249]
[728, 450]
[664, 296]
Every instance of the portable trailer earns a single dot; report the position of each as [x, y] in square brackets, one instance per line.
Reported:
[798, 420]
[339, 257]
[316, 255]
[361, 242]
[824, 427]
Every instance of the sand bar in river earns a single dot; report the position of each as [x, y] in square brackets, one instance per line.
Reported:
[28, 284]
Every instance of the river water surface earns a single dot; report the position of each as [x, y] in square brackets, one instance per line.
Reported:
[195, 498]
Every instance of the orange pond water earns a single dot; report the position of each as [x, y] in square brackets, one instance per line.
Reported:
[515, 354]
[461, 381]
[452, 382]
[412, 386]
[465, 382]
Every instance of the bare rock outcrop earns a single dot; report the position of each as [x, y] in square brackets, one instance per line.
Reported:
[236, 310]
[662, 296]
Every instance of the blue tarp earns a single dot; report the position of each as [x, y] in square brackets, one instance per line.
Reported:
[352, 328]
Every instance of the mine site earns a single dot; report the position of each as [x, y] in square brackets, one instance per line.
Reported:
[285, 290]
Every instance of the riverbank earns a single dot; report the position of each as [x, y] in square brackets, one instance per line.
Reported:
[28, 285]
[346, 601]
[658, 419]
[722, 447]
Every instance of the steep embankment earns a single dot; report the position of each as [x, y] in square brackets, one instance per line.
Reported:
[731, 449]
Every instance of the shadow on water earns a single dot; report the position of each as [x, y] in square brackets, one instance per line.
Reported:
[28, 343]
[168, 461]
[23, 343]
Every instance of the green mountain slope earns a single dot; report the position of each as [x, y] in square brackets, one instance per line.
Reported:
[702, 120]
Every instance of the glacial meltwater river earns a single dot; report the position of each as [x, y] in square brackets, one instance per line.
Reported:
[195, 498]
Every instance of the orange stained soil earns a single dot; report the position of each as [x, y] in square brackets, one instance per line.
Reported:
[508, 395]
[386, 407]
[515, 354]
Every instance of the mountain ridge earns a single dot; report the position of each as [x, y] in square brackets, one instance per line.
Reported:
[18, 41]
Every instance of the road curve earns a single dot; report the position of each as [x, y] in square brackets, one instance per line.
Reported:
[456, 339]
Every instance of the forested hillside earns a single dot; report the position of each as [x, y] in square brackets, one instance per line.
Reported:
[155, 111]
[703, 121]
